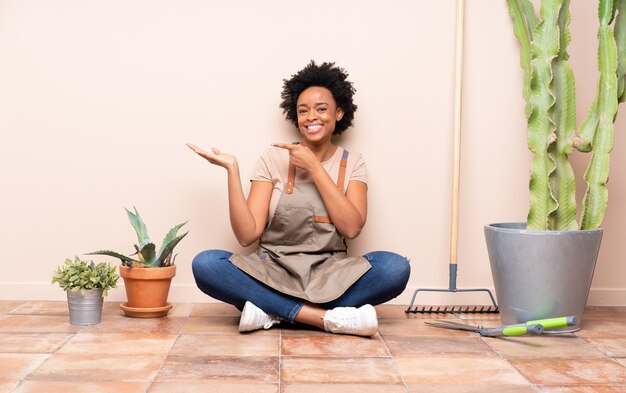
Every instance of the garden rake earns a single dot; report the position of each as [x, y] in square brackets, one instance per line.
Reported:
[454, 232]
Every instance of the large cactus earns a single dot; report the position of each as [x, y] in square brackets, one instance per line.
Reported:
[550, 95]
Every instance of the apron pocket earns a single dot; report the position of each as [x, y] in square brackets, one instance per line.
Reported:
[294, 223]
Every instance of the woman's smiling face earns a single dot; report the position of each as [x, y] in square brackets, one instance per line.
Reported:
[317, 114]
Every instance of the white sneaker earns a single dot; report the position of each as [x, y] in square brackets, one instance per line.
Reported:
[253, 318]
[360, 321]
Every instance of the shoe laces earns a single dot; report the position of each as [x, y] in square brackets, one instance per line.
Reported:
[271, 322]
[343, 318]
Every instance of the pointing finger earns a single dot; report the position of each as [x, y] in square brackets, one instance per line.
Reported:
[287, 146]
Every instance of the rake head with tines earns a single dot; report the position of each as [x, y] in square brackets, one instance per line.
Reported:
[453, 310]
[491, 309]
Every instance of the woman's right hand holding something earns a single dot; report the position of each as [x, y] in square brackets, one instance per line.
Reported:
[215, 157]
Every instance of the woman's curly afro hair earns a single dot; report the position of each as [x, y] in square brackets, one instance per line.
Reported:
[324, 75]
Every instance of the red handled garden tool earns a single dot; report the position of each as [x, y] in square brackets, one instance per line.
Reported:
[520, 329]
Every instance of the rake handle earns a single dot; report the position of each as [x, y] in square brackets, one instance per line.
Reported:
[456, 160]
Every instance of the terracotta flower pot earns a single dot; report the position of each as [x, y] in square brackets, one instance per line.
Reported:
[147, 290]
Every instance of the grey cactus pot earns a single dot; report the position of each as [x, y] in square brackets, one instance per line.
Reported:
[85, 309]
[541, 274]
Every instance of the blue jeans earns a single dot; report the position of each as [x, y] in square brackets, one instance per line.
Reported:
[217, 277]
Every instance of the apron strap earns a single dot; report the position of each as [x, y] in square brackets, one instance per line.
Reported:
[290, 178]
[342, 170]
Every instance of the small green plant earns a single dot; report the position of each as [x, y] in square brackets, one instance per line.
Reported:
[81, 275]
[146, 254]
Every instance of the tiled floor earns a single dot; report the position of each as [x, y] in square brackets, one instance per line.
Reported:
[197, 349]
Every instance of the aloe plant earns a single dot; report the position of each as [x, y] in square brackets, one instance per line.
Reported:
[549, 91]
[146, 254]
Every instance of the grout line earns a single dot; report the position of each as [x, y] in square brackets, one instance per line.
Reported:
[394, 364]
[603, 352]
[280, 359]
[178, 334]
[506, 360]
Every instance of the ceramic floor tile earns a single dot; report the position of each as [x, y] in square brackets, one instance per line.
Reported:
[37, 324]
[581, 389]
[571, 372]
[207, 353]
[6, 306]
[213, 325]
[333, 346]
[481, 320]
[119, 343]
[613, 347]
[32, 342]
[300, 330]
[339, 370]
[248, 369]
[229, 345]
[81, 387]
[562, 346]
[215, 310]
[212, 387]
[428, 345]
[58, 308]
[220, 326]
[123, 324]
[472, 318]
[455, 369]
[604, 312]
[111, 308]
[452, 388]
[8, 386]
[18, 365]
[391, 311]
[604, 328]
[42, 308]
[603, 315]
[342, 388]
[98, 367]
[181, 310]
[416, 327]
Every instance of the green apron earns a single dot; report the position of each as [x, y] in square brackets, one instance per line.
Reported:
[301, 253]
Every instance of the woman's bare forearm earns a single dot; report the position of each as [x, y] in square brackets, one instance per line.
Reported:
[241, 218]
[346, 216]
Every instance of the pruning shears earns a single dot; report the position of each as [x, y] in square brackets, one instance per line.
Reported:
[520, 329]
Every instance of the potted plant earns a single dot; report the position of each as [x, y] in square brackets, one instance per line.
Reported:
[85, 284]
[147, 273]
[544, 267]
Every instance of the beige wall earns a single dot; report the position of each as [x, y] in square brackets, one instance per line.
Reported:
[97, 100]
